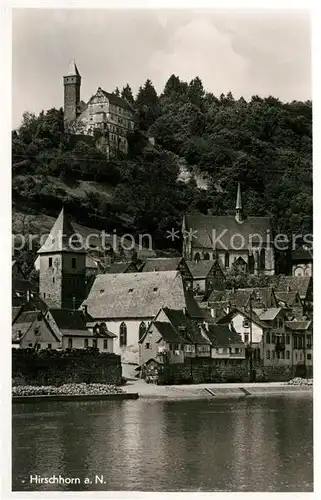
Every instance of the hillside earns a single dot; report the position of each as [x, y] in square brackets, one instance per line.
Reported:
[203, 146]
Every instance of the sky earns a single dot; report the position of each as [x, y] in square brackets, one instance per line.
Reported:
[249, 52]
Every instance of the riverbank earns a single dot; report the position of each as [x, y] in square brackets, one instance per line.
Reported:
[210, 391]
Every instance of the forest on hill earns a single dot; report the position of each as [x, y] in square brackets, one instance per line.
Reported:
[263, 143]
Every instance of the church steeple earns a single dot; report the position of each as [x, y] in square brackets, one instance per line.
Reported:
[239, 210]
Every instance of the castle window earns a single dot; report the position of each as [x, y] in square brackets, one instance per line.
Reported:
[122, 335]
[227, 259]
[73, 262]
[50, 261]
[142, 330]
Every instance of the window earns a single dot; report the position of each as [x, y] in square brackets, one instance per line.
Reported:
[287, 339]
[147, 345]
[142, 330]
[273, 339]
[278, 354]
[69, 343]
[85, 343]
[273, 354]
[49, 346]
[44, 295]
[246, 323]
[29, 345]
[176, 347]
[246, 337]
[227, 259]
[262, 259]
[105, 344]
[50, 261]
[122, 335]
[282, 354]
[197, 257]
[309, 342]
[309, 357]
[268, 354]
[53, 280]
[268, 338]
[287, 354]
[206, 256]
[237, 350]
[95, 343]
[73, 262]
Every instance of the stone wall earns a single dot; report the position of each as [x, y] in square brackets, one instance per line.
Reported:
[50, 367]
[206, 370]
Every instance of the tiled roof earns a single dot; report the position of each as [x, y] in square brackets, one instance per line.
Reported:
[138, 295]
[225, 227]
[287, 297]
[298, 325]
[221, 335]
[120, 267]
[167, 332]
[60, 236]
[202, 268]
[293, 283]
[179, 320]
[226, 318]
[117, 101]
[14, 313]
[161, 264]
[68, 319]
[267, 314]
[302, 255]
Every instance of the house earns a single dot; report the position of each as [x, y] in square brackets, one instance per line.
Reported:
[300, 284]
[128, 302]
[302, 262]
[122, 267]
[299, 334]
[292, 302]
[173, 336]
[78, 330]
[226, 342]
[31, 330]
[105, 112]
[207, 276]
[22, 288]
[168, 264]
[237, 240]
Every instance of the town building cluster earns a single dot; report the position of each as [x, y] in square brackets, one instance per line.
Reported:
[158, 311]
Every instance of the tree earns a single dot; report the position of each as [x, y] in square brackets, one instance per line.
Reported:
[127, 94]
[147, 105]
[116, 92]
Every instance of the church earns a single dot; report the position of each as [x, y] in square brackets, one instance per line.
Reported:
[112, 115]
[244, 242]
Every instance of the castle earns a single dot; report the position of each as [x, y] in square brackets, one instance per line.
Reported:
[106, 112]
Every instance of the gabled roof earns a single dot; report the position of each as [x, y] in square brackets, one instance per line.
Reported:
[161, 264]
[114, 99]
[237, 298]
[226, 318]
[179, 320]
[167, 332]
[298, 325]
[202, 268]
[225, 226]
[25, 321]
[288, 298]
[138, 295]
[62, 237]
[121, 267]
[294, 283]
[268, 314]
[302, 255]
[221, 335]
[70, 320]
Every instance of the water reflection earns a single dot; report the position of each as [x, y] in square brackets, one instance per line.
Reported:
[249, 444]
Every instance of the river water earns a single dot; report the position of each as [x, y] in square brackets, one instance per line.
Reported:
[232, 444]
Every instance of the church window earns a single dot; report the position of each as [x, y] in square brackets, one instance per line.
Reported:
[197, 257]
[50, 261]
[73, 262]
[206, 256]
[227, 259]
[142, 330]
[262, 259]
[122, 335]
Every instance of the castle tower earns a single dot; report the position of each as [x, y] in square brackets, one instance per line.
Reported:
[62, 267]
[239, 210]
[72, 82]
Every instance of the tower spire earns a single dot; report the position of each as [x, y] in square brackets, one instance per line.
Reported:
[239, 210]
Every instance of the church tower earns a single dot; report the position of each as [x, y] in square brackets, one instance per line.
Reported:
[239, 210]
[72, 82]
[62, 282]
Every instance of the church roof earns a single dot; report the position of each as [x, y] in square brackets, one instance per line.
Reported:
[220, 229]
[138, 295]
[161, 264]
[62, 237]
[201, 269]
